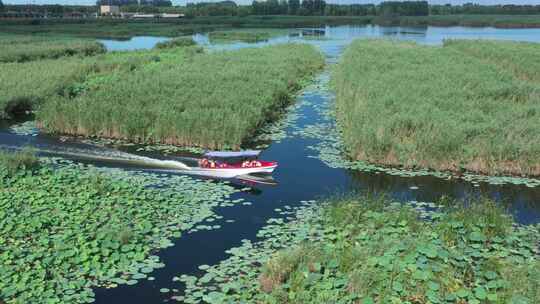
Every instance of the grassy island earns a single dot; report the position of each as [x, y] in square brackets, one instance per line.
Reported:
[186, 97]
[470, 105]
[21, 48]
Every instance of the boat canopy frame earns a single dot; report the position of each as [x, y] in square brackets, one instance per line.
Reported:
[231, 154]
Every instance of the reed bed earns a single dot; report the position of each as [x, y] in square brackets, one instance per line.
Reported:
[13, 162]
[21, 48]
[402, 104]
[125, 29]
[497, 21]
[245, 36]
[517, 57]
[177, 42]
[24, 86]
[215, 100]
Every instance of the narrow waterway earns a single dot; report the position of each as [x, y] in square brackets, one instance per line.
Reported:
[303, 175]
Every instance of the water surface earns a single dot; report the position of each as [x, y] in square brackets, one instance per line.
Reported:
[344, 34]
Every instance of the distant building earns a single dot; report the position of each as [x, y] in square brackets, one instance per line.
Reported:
[109, 10]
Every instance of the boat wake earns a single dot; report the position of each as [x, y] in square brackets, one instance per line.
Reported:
[109, 157]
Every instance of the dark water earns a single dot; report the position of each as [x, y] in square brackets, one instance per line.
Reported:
[300, 177]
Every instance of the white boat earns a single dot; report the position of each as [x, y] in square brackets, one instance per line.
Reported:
[230, 171]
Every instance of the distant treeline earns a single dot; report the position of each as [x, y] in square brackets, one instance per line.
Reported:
[476, 9]
[286, 7]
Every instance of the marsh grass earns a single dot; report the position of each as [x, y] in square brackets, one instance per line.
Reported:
[25, 86]
[214, 100]
[497, 21]
[176, 42]
[244, 36]
[439, 107]
[375, 251]
[125, 29]
[13, 162]
[519, 58]
[22, 48]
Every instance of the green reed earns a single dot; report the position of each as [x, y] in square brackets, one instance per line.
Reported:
[25, 86]
[21, 48]
[403, 104]
[214, 100]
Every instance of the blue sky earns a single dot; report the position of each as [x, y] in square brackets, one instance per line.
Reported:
[177, 2]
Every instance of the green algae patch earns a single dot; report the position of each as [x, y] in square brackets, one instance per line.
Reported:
[68, 228]
[368, 249]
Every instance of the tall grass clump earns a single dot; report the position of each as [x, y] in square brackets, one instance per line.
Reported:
[212, 100]
[24, 86]
[403, 104]
[176, 42]
[16, 48]
[244, 36]
[125, 29]
[521, 58]
[13, 162]
[376, 251]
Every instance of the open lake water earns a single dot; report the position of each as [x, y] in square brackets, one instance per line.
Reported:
[304, 173]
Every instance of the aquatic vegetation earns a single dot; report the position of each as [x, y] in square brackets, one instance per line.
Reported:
[176, 42]
[22, 48]
[67, 228]
[125, 29]
[107, 29]
[497, 21]
[330, 147]
[13, 162]
[517, 57]
[436, 108]
[367, 249]
[27, 128]
[25, 86]
[214, 100]
[244, 36]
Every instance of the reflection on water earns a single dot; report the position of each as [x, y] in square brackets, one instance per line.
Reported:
[135, 43]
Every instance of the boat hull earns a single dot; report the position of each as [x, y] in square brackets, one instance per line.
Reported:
[229, 172]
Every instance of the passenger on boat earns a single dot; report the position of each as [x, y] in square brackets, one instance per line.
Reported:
[203, 163]
[207, 163]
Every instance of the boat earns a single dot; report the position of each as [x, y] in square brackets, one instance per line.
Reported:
[225, 170]
[231, 164]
